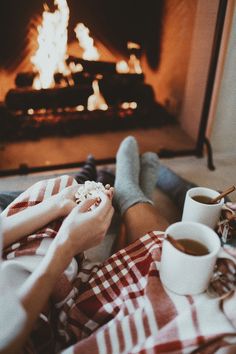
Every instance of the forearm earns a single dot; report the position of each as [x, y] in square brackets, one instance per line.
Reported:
[31, 219]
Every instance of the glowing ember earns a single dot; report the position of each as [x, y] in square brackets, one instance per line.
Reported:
[52, 40]
[96, 100]
[133, 105]
[86, 42]
[30, 111]
[129, 105]
[125, 105]
[122, 67]
[79, 108]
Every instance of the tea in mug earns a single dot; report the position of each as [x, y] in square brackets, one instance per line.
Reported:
[194, 247]
[204, 199]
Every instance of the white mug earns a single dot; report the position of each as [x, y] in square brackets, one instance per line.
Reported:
[207, 214]
[182, 273]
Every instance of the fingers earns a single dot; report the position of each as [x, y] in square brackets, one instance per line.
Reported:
[102, 208]
[86, 204]
[110, 192]
[105, 205]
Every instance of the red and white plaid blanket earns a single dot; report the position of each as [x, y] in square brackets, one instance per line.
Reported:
[119, 306]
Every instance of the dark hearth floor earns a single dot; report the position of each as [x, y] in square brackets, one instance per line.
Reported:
[65, 150]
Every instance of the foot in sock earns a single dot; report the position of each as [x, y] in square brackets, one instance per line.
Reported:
[149, 173]
[173, 185]
[88, 172]
[127, 189]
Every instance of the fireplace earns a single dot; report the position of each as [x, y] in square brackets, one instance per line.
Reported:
[134, 82]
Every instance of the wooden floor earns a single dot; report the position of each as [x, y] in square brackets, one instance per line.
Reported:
[64, 150]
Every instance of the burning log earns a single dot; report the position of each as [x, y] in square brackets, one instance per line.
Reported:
[93, 67]
[141, 93]
[25, 79]
[24, 99]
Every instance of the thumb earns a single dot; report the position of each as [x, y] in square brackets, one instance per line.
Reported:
[86, 204]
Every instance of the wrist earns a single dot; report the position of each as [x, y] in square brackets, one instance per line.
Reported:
[62, 206]
[55, 262]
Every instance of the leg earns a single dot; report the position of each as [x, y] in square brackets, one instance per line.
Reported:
[140, 219]
[173, 185]
[88, 172]
[134, 184]
[106, 176]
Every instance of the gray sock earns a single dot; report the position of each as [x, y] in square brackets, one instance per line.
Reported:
[173, 185]
[149, 173]
[127, 190]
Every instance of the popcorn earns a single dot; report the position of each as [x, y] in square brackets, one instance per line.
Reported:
[89, 189]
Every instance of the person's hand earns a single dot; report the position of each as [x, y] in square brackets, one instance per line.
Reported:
[66, 199]
[84, 227]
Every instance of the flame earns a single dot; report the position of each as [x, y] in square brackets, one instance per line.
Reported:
[86, 42]
[75, 68]
[134, 65]
[134, 62]
[133, 45]
[96, 100]
[52, 45]
[122, 67]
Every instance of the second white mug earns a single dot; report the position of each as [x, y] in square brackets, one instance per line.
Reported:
[196, 211]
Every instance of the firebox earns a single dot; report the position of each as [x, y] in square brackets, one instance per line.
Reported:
[79, 76]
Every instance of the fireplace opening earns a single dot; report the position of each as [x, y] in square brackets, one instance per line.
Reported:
[73, 70]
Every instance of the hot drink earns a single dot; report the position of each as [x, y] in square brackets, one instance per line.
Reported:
[202, 199]
[193, 247]
[187, 262]
[202, 205]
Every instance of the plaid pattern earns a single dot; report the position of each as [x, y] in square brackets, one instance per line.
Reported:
[123, 308]
[121, 305]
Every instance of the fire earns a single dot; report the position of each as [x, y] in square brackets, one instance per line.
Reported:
[129, 105]
[52, 45]
[134, 62]
[133, 66]
[86, 42]
[122, 67]
[96, 100]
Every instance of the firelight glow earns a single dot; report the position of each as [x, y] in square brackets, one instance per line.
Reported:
[122, 67]
[134, 65]
[52, 45]
[96, 100]
[86, 42]
[129, 105]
